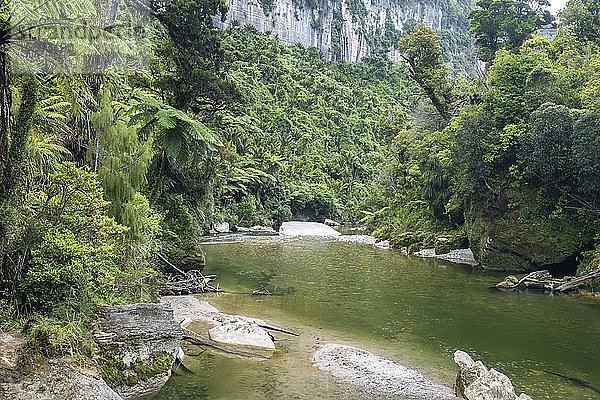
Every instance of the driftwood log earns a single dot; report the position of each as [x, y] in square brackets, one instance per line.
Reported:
[198, 339]
[578, 281]
[544, 280]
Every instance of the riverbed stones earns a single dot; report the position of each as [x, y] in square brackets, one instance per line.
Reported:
[475, 382]
[459, 256]
[375, 374]
[58, 381]
[359, 239]
[140, 343]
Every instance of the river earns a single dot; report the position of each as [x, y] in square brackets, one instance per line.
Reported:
[414, 311]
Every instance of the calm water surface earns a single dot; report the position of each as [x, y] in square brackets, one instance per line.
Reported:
[414, 311]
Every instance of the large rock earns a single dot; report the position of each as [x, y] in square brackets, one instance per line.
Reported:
[239, 331]
[521, 238]
[295, 228]
[377, 375]
[140, 343]
[475, 382]
[221, 227]
[59, 381]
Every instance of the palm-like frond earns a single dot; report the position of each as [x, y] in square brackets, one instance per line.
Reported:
[174, 131]
[42, 151]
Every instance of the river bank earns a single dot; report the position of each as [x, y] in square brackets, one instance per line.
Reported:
[317, 353]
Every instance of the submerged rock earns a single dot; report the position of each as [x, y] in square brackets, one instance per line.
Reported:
[475, 382]
[296, 228]
[59, 382]
[377, 375]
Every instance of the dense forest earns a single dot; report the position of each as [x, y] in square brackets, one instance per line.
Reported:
[173, 124]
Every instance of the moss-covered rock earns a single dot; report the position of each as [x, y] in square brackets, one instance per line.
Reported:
[522, 237]
[138, 344]
[413, 240]
[445, 244]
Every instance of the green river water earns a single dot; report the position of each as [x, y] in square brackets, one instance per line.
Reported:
[411, 310]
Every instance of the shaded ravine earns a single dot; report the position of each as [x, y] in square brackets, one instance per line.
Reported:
[408, 309]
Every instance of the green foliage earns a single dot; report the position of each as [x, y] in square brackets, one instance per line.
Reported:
[581, 18]
[422, 51]
[505, 24]
[306, 123]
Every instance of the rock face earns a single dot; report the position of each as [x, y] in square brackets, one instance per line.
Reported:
[377, 375]
[348, 30]
[524, 240]
[60, 382]
[140, 342]
[295, 228]
[475, 382]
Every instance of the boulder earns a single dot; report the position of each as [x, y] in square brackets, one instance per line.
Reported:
[238, 331]
[459, 256]
[492, 385]
[383, 244]
[220, 227]
[262, 229]
[522, 238]
[60, 381]
[296, 228]
[139, 344]
[475, 382]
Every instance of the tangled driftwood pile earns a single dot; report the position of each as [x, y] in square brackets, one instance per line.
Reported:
[190, 282]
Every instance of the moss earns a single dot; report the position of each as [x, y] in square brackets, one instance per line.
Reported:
[447, 243]
[413, 241]
[590, 261]
[116, 373]
[522, 236]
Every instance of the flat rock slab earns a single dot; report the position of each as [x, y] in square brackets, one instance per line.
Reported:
[189, 308]
[306, 229]
[241, 332]
[377, 375]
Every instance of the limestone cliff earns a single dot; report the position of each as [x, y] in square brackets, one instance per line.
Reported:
[351, 29]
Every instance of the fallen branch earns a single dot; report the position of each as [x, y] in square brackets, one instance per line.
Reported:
[277, 329]
[196, 338]
[580, 280]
